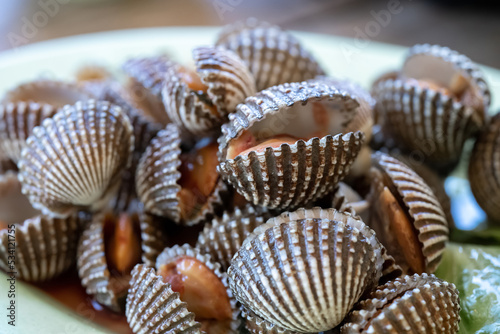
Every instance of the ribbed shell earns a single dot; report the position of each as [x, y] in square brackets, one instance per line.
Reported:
[426, 122]
[171, 254]
[55, 93]
[154, 308]
[272, 55]
[305, 275]
[75, 159]
[92, 265]
[157, 175]
[146, 90]
[419, 53]
[256, 325]
[293, 175]
[228, 82]
[223, 237]
[424, 210]
[93, 269]
[44, 247]
[433, 180]
[145, 129]
[484, 169]
[390, 269]
[17, 121]
[154, 238]
[275, 178]
[412, 304]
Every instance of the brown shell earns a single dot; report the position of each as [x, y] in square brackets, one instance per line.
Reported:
[484, 170]
[272, 55]
[305, 275]
[390, 269]
[412, 304]
[423, 210]
[157, 175]
[17, 121]
[228, 83]
[433, 180]
[75, 159]
[256, 325]
[274, 178]
[92, 73]
[222, 238]
[145, 90]
[55, 93]
[149, 295]
[425, 122]
[438, 62]
[44, 247]
[170, 254]
[95, 276]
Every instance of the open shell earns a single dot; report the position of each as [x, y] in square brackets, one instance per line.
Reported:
[484, 171]
[272, 55]
[93, 268]
[227, 81]
[51, 92]
[425, 120]
[152, 305]
[305, 275]
[223, 237]
[75, 159]
[412, 304]
[291, 175]
[44, 247]
[145, 90]
[17, 121]
[422, 210]
[156, 180]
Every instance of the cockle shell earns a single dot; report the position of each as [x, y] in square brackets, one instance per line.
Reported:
[484, 170]
[256, 325]
[425, 120]
[433, 180]
[290, 175]
[222, 238]
[228, 83]
[418, 204]
[17, 121]
[390, 269]
[412, 304]
[305, 275]
[152, 305]
[272, 55]
[145, 90]
[107, 287]
[33, 247]
[75, 159]
[45, 247]
[145, 129]
[55, 93]
[157, 176]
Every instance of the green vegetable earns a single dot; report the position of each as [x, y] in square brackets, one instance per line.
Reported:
[475, 270]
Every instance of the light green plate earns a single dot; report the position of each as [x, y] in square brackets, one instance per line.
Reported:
[342, 57]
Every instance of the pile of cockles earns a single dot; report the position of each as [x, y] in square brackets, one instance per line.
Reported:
[321, 205]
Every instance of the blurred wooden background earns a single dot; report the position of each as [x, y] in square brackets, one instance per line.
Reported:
[472, 29]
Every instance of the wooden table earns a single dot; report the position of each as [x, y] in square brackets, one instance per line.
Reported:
[470, 31]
